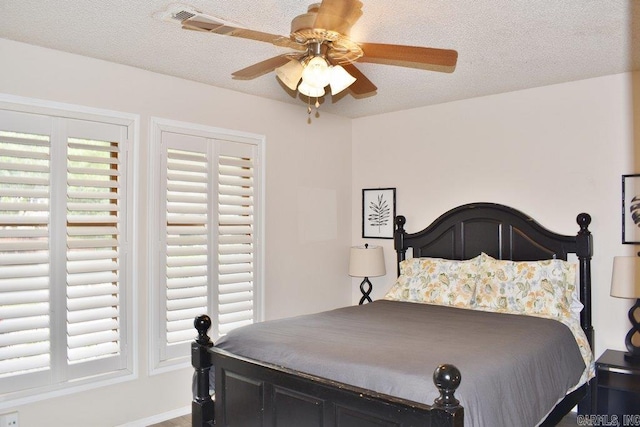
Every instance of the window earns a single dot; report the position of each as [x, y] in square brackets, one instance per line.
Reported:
[207, 247]
[65, 233]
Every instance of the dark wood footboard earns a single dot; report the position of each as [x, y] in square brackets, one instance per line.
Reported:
[251, 393]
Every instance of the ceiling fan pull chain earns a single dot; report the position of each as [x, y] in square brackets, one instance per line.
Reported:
[309, 110]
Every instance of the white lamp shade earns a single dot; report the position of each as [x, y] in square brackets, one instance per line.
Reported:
[290, 73]
[367, 262]
[316, 72]
[310, 91]
[625, 279]
[340, 79]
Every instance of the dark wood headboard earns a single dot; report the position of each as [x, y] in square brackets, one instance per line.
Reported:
[504, 233]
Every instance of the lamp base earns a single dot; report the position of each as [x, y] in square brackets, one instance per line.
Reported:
[632, 340]
[365, 292]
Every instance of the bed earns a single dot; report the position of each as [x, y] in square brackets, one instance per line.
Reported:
[400, 362]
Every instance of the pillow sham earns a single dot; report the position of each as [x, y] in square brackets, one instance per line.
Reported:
[537, 288]
[436, 281]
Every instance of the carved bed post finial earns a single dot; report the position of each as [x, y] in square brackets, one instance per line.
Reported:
[202, 324]
[447, 379]
[398, 240]
[583, 220]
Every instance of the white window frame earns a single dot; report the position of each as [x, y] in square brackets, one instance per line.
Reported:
[160, 362]
[128, 369]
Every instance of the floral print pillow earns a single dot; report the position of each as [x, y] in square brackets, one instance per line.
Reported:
[436, 281]
[536, 288]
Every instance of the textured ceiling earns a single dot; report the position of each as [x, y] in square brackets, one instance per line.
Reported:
[503, 45]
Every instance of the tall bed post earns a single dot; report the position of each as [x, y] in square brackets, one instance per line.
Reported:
[398, 240]
[202, 407]
[584, 251]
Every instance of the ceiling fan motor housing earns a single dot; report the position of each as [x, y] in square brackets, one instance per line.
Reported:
[305, 27]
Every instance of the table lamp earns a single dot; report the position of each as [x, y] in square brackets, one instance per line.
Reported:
[366, 261]
[625, 283]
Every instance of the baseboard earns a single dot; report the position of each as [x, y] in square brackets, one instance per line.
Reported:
[158, 418]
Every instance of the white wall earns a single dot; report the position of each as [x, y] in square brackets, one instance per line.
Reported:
[305, 263]
[551, 152]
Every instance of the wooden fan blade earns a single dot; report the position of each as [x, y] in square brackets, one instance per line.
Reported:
[202, 23]
[427, 58]
[362, 85]
[261, 68]
[338, 15]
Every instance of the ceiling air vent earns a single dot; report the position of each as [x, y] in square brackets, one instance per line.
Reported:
[177, 12]
[182, 15]
[181, 12]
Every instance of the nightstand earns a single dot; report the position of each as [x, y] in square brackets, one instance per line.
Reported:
[617, 385]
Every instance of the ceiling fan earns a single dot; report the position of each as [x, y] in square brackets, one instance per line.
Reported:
[324, 55]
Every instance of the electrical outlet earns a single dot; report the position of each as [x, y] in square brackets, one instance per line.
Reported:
[9, 420]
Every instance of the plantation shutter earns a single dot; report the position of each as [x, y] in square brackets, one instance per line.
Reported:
[207, 252]
[95, 233]
[63, 248]
[236, 237]
[25, 340]
[187, 191]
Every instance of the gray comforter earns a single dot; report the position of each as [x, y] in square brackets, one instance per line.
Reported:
[514, 368]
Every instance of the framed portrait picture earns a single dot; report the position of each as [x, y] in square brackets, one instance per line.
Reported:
[631, 209]
[378, 212]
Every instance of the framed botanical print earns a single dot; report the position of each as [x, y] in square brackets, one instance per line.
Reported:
[378, 212]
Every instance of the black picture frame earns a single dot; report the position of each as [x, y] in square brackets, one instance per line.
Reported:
[378, 213]
[631, 209]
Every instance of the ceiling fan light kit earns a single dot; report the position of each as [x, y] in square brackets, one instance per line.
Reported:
[328, 55]
[316, 74]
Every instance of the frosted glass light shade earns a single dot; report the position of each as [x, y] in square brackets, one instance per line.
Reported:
[317, 72]
[310, 91]
[367, 261]
[340, 79]
[625, 280]
[290, 73]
